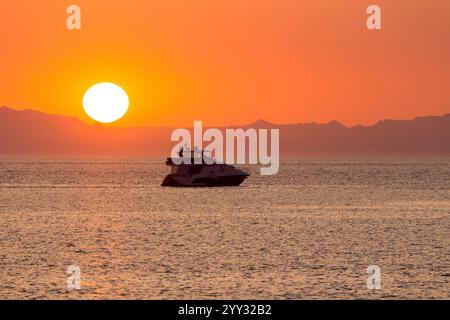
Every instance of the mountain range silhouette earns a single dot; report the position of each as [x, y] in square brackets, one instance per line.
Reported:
[34, 133]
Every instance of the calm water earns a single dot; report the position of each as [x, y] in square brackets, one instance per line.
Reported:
[309, 232]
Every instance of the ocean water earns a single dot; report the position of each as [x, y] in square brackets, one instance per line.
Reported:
[309, 232]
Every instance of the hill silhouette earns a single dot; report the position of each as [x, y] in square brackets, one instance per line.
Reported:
[35, 133]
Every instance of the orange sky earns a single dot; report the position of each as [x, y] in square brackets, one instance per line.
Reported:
[230, 61]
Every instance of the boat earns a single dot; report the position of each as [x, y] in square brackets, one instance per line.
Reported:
[205, 172]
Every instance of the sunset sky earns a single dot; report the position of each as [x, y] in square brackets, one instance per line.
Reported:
[230, 61]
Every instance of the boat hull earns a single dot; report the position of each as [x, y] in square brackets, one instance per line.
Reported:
[225, 181]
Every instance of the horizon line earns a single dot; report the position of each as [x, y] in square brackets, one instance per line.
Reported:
[261, 120]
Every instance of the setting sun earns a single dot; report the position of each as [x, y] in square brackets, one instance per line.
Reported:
[106, 102]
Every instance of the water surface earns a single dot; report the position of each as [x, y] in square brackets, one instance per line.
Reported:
[309, 232]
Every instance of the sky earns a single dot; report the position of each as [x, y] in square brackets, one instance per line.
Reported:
[230, 61]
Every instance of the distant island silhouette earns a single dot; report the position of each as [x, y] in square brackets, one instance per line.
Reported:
[33, 133]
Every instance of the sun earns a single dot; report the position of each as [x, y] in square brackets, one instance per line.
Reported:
[105, 102]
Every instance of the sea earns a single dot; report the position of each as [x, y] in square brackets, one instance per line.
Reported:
[322, 228]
